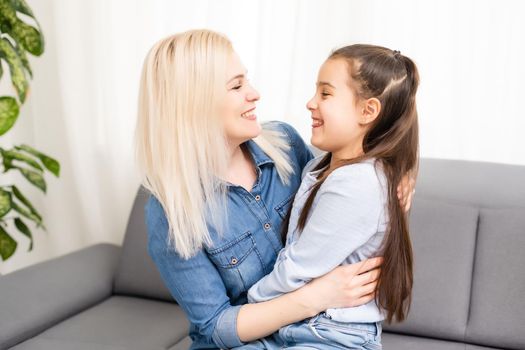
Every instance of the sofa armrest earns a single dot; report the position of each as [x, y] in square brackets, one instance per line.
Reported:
[39, 296]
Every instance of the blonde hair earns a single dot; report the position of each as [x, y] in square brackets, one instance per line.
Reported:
[180, 146]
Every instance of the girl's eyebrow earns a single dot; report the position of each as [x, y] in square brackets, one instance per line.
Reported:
[322, 83]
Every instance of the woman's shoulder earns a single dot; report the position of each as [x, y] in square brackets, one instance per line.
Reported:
[155, 216]
[284, 128]
[296, 148]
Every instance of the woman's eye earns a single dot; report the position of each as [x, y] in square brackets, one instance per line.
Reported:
[324, 94]
[237, 87]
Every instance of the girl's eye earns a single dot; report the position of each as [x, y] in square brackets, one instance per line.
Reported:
[236, 87]
[324, 94]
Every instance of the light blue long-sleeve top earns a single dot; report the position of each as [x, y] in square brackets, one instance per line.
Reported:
[346, 224]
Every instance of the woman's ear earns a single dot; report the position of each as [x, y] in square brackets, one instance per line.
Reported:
[371, 109]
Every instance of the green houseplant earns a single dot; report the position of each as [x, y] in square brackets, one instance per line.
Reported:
[17, 38]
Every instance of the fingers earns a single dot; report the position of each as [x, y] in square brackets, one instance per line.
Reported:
[364, 299]
[405, 191]
[369, 264]
[365, 278]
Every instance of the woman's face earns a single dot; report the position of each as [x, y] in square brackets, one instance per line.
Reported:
[238, 109]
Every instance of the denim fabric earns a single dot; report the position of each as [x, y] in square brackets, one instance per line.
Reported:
[212, 285]
[321, 332]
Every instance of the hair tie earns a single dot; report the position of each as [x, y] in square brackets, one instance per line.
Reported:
[396, 53]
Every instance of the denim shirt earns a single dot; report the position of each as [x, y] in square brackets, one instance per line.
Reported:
[212, 285]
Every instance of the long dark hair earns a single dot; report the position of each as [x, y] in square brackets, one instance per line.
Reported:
[392, 140]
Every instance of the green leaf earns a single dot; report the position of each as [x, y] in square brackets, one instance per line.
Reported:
[22, 7]
[7, 12]
[51, 164]
[34, 177]
[25, 201]
[27, 36]
[23, 57]
[22, 227]
[24, 212]
[16, 68]
[8, 165]
[7, 244]
[5, 202]
[9, 111]
[1, 70]
[13, 155]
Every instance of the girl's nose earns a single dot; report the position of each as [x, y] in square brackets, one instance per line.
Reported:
[311, 104]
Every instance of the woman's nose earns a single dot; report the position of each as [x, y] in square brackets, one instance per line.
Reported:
[252, 95]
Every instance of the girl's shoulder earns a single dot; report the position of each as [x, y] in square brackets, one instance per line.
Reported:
[367, 174]
[308, 168]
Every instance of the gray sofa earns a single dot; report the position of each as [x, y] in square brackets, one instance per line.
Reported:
[468, 229]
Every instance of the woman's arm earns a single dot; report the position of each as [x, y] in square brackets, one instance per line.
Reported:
[194, 283]
[346, 286]
[199, 290]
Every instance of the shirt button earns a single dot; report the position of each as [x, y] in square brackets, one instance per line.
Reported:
[257, 198]
[267, 226]
[234, 261]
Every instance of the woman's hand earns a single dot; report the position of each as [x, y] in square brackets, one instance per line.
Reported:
[405, 191]
[345, 286]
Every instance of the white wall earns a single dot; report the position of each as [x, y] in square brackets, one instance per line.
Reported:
[83, 98]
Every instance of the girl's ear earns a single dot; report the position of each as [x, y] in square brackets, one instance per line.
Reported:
[371, 109]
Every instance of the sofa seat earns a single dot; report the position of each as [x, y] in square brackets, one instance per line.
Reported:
[392, 341]
[117, 323]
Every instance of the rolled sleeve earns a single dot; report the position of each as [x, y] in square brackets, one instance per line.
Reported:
[225, 333]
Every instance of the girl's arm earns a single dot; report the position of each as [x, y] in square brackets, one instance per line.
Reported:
[345, 286]
[348, 213]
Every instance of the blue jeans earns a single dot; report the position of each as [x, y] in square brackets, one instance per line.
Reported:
[321, 332]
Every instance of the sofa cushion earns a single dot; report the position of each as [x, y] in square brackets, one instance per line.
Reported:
[497, 316]
[443, 237]
[480, 184]
[184, 344]
[392, 341]
[117, 323]
[41, 295]
[405, 342]
[137, 275]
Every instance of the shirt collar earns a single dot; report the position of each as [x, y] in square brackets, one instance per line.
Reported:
[259, 157]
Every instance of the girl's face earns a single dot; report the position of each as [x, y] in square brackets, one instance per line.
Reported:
[238, 109]
[336, 114]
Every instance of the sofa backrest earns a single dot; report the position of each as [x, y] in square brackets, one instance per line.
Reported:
[137, 274]
[468, 231]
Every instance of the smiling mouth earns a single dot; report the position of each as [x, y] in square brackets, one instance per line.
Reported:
[317, 123]
[250, 115]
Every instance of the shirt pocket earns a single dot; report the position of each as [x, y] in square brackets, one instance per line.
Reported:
[283, 207]
[239, 263]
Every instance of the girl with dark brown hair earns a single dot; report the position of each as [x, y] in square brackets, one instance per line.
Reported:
[346, 209]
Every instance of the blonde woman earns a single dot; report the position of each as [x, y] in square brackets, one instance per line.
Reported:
[221, 185]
